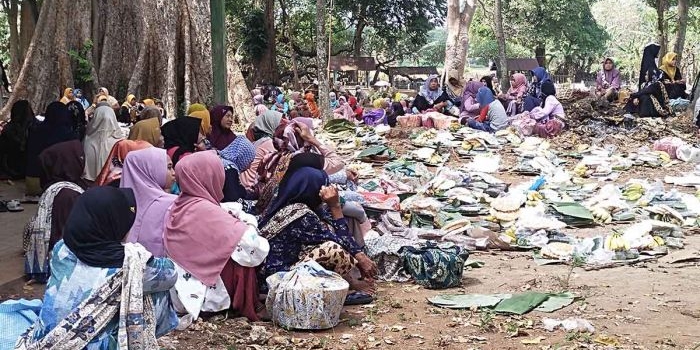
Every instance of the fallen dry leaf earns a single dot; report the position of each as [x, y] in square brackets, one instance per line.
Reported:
[533, 341]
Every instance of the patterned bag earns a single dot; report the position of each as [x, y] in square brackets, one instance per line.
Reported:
[433, 266]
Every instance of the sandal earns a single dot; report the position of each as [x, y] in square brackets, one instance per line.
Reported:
[14, 206]
[358, 298]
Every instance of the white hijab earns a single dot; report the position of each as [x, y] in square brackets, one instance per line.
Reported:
[102, 133]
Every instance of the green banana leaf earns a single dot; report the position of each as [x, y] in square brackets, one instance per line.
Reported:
[572, 209]
[338, 125]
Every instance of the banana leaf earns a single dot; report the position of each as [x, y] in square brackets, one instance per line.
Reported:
[572, 213]
[373, 151]
[339, 125]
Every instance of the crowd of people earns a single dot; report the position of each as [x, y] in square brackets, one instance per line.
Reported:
[196, 217]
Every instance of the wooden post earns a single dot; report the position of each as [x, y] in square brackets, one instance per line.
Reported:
[218, 50]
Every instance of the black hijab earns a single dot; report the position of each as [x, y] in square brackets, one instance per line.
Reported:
[547, 88]
[56, 127]
[21, 118]
[649, 70]
[182, 133]
[64, 161]
[100, 219]
[77, 114]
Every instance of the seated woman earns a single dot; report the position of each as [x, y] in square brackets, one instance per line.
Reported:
[236, 158]
[470, 108]
[431, 96]
[487, 80]
[517, 92]
[103, 132]
[94, 277]
[672, 77]
[215, 253]
[296, 231]
[181, 137]
[357, 108]
[61, 170]
[607, 83]
[311, 104]
[13, 141]
[378, 114]
[112, 170]
[550, 115]
[222, 120]
[493, 116]
[127, 112]
[150, 173]
[333, 100]
[534, 94]
[650, 102]
[344, 111]
[649, 73]
[454, 88]
[148, 128]
[280, 105]
[295, 100]
[260, 133]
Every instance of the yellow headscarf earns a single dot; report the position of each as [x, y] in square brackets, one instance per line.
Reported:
[665, 64]
[196, 107]
[149, 102]
[127, 103]
[205, 127]
[65, 99]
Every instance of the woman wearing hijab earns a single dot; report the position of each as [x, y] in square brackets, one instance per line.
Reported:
[101, 292]
[344, 111]
[200, 111]
[454, 88]
[181, 137]
[534, 95]
[493, 116]
[352, 101]
[222, 121]
[111, 172]
[294, 227]
[80, 98]
[127, 112]
[236, 158]
[150, 173]
[56, 127]
[67, 96]
[607, 82]
[260, 133]
[148, 128]
[487, 80]
[650, 102]
[295, 100]
[62, 167]
[517, 92]
[75, 109]
[470, 108]
[289, 140]
[311, 104]
[216, 251]
[550, 115]
[672, 77]
[13, 141]
[280, 105]
[649, 72]
[103, 132]
[430, 96]
[333, 98]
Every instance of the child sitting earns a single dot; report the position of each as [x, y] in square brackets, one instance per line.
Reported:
[493, 116]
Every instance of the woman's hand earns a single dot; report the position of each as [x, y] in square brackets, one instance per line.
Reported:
[306, 134]
[329, 195]
[367, 267]
[352, 176]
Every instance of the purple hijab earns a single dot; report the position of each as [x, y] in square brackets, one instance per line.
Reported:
[145, 172]
[220, 137]
[472, 89]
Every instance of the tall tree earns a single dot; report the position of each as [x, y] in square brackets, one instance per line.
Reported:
[458, 22]
[267, 64]
[171, 60]
[501, 38]
[661, 25]
[682, 28]
[322, 58]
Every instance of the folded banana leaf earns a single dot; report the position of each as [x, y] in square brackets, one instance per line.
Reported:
[422, 221]
[339, 125]
[572, 214]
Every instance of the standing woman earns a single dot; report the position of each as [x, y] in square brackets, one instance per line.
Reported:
[103, 132]
[13, 140]
[150, 173]
[56, 127]
[672, 77]
[221, 123]
[217, 251]
[62, 167]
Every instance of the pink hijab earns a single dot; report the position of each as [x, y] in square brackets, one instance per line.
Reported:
[145, 172]
[199, 235]
[293, 144]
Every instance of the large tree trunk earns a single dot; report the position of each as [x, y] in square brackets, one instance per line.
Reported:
[158, 49]
[501, 39]
[238, 93]
[661, 6]
[357, 37]
[540, 55]
[28, 18]
[290, 38]
[10, 7]
[322, 59]
[682, 27]
[267, 65]
[458, 23]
